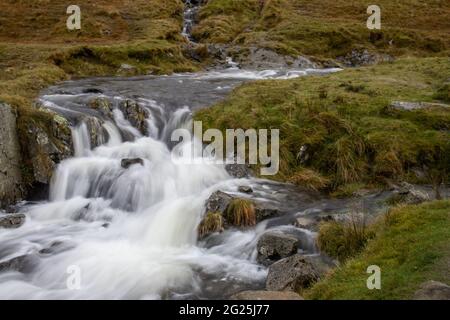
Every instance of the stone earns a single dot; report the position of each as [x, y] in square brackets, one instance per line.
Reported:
[411, 106]
[127, 163]
[238, 171]
[305, 223]
[291, 274]
[265, 211]
[12, 221]
[273, 246]
[266, 295]
[408, 194]
[218, 202]
[15, 264]
[245, 189]
[11, 189]
[433, 290]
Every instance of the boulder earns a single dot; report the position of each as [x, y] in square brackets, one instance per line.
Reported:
[127, 163]
[273, 246]
[11, 189]
[433, 290]
[291, 274]
[218, 202]
[266, 295]
[12, 221]
[102, 105]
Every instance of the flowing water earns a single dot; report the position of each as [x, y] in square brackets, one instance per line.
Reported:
[131, 233]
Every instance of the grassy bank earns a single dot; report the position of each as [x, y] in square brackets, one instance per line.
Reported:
[344, 125]
[410, 246]
[327, 28]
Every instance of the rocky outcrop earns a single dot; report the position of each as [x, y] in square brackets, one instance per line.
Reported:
[292, 274]
[411, 106]
[135, 114]
[357, 58]
[260, 58]
[48, 145]
[407, 194]
[266, 295]
[273, 246]
[12, 221]
[433, 290]
[10, 158]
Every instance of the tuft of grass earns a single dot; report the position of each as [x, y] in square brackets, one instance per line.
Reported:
[241, 213]
[211, 223]
[309, 179]
[344, 239]
[410, 246]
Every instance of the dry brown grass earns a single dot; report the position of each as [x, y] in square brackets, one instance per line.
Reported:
[211, 223]
[241, 213]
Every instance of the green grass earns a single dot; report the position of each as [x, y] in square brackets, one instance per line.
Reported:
[411, 246]
[351, 134]
[327, 28]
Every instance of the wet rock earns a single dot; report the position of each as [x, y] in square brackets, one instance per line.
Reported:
[266, 295]
[265, 211]
[21, 264]
[218, 202]
[135, 114]
[12, 221]
[97, 132]
[127, 163]
[273, 246]
[11, 189]
[291, 274]
[411, 106]
[48, 144]
[408, 194]
[433, 290]
[358, 58]
[245, 189]
[102, 105]
[305, 223]
[53, 248]
[238, 171]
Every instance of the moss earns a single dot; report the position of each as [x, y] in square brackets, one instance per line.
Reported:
[410, 246]
[241, 213]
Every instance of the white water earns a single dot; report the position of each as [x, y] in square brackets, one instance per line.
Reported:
[131, 232]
